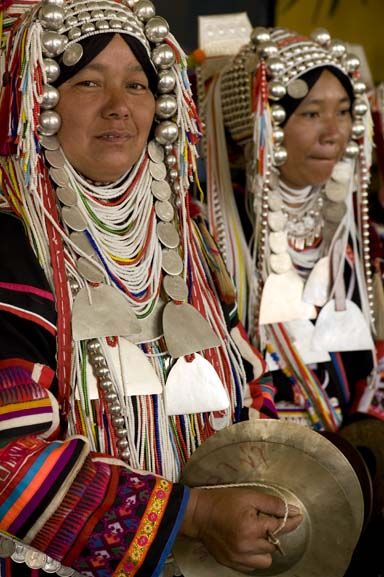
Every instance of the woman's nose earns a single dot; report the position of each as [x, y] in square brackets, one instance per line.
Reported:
[116, 104]
[330, 129]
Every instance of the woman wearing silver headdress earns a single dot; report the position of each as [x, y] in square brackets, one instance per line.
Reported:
[116, 357]
[291, 115]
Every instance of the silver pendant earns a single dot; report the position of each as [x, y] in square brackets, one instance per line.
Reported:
[107, 314]
[151, 327]
[59, 176]
[55, 158]
[172, 262]
[66, 196]
[186, 331]
[176, 288]
[50, 142]
[35, 559]
[51, 565]
[164, 210]
[73, 54]
[80, 240]
[161, 190]
[158, 171]
[73, 218]
[167, 234]
[155, 151]
[89, 271]
[66, 572]
[18, 556]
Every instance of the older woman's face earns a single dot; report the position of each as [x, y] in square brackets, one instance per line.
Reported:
[107, 112]
[317, 133]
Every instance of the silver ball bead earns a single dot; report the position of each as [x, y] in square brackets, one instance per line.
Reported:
[166, 81]
[321, 36]
[49, 123]
[102, 372]
[163, 56]
[84, 16]
[106, 384]
[278, 113]
[280, 156]
[98, 360]
[123, 443]
[71, 21]
[173, 174]
[338, 49]
[74, 33]
[166, 132]
[359, 88]
[176, 189]
[53, 43]
[156, 29]
[268, 50]
[125, 455]
[88, 27]
[118, 421]
[352, 150]
[111, 397]
[115, 409]
[51, 16]
[50, 97]
[166, 106]
[278, 135]
[276, 90]
[352, 63]
[144, 10]
[74, 286]
[171, 160]
[260, 35]
[358, 130]
[97, 14]
[102, 25]
[121, 432]
[168, 148]
[52, 69]
[275, 67]
[93, 346]
[359, 108]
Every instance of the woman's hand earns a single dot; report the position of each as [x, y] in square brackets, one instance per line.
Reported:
[234, 525]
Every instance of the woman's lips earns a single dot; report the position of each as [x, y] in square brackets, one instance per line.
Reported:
[113, 136]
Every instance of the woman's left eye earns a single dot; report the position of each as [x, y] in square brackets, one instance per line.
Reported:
[136, 86]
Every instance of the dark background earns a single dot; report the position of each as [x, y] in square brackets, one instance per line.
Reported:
[182, 15]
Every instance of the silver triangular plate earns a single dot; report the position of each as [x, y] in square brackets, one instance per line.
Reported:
[186, 331]
[105, 314]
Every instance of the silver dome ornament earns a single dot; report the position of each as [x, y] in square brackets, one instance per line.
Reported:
[166, 106]
[116, 24]
[125, 455]
[358, 130]
[278, 113]
[275, 67]
[276, 90]
[118, 421]
[102, 25]
[268, 50]
[321, 36]
[173, 174]
[144, 10]
[280, 156]
[123, 432]
[88, 27]
[106, 384]
[73, 54]
[351, 62]
[168, 149]
[352, 149]
[84, 16]
[50, 97]
[49, 123]
[156, 29]
[59, 3]
[166, 81]
[359, 108]
[338, 48]
[163, 56]
[97, 14]
[74, 33]
[51, 16]
[53, 43]
[71, 21]
[51, 69]
[171, 160]
[359, 88]
[260, 35]
[278, 135]
[166, 132]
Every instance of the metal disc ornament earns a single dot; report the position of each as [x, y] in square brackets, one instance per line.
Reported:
[73, 218]
[50, 142]
[161, 190]
[55, 158]
[172, 262]
[66, 196]
[7, 547]
[89, 271]
[158, 170]
[167, 234]
[59, 176]
[308, 470]
[176, 288]
[164, 210]
[155, 151]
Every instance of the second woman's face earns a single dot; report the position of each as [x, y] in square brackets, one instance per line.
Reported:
[107, 112]
[316, 134]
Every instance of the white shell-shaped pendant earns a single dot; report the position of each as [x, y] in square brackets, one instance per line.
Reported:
[301, 331]
[344, 330]
[278, 242]
[336, 191]
[194, 387]
[136, 375]
[318, 284]
[280, 263]
[281, 300]
[105, 313]
[277, 220]
[186, 331]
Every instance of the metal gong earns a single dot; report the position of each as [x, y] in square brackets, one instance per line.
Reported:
[308, 470]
